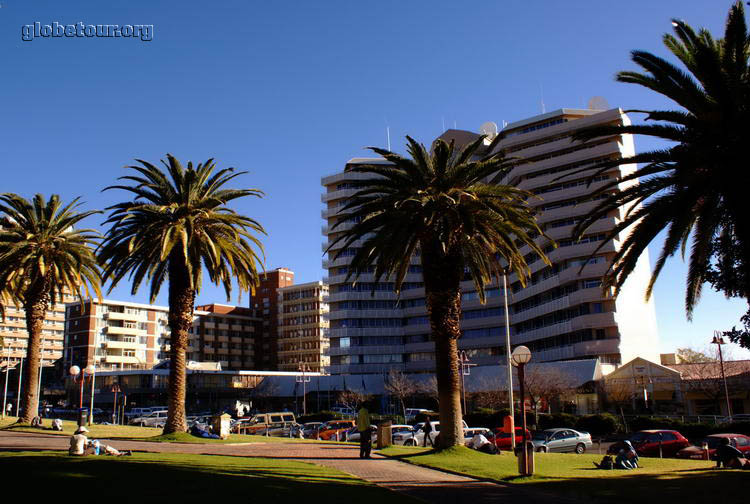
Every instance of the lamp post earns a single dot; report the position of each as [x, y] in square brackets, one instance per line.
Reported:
[93, 380]
[304, 380]
[521, 356]
[18, 394]
[509, 369]
[466, 366]
[7, 365]
[75, 372]
[718, 341]
[115, 388]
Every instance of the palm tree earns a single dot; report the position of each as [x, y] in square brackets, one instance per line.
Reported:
[438, 206]
[177, 225]
[696, 188]
[42, 255]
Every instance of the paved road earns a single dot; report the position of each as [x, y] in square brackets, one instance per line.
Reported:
[425, 484]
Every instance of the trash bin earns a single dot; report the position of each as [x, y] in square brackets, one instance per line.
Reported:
[527, 467]
[385, 435]
[83, 416]
[220, 425]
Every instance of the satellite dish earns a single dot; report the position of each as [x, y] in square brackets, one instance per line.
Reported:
[598, 103]
[489, 128]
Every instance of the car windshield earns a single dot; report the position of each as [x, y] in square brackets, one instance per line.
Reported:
[713, 442]
[639, 437]
[540, 436]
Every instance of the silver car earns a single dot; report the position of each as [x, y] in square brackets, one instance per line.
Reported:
[561, 440]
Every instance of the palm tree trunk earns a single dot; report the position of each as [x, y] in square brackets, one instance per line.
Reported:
[181, 304]
[442, 276]
[37, 301]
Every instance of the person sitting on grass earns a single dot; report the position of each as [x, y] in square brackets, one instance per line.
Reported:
[627, 457]
[729, 456]
[79, 443]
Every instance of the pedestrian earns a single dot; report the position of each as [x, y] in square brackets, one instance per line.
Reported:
[365, 435]
[427, 431]
[9, 409]
[729, 456]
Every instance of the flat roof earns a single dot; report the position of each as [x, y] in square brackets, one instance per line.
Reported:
[550, 115]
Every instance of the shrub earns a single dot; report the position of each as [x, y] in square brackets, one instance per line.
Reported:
[599, 425]
[556, 420]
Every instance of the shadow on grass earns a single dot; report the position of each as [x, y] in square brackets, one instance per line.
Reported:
[151, 478]
[701, 486]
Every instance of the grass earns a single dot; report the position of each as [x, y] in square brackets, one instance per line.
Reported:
[150, 477]
[658, 481]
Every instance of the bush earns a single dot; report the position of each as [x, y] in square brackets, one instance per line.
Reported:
[599, 425]
[556, 420]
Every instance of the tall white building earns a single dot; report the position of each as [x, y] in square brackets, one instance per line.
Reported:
[562, 313]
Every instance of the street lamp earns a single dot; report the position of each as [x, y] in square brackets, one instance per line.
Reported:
[718, 341]
[466, 366]
[508, 368]
[304, 380]
[521, 356]
[115, 388]
[75, 372]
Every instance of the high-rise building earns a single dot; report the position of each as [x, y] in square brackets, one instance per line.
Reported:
[303, 331]
[561, 314]
[265, 303]
[15, 337]
[122, 335]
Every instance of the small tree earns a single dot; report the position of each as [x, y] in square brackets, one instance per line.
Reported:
[430, 388]
[401, 387]
[492, 394]
[545, 385]
[352, 399]
[690, 355]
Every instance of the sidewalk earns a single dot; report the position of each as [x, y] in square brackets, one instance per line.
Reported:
[424, 484]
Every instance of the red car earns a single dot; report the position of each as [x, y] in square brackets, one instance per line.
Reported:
[646, 443]
[503, 439]
[739, 441]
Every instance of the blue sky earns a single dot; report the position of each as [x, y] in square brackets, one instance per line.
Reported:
[290, 91]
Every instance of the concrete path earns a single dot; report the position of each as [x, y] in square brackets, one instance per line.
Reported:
[425, 484]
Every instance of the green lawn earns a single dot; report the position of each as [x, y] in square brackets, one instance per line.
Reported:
[172, 477]
[658, 481]
[132, 432]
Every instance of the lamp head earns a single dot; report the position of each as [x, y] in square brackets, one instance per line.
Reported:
[90, 369]
[74, 370]
[521, 355]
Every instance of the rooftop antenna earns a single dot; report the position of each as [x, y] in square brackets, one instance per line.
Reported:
[541, 92]
[388, 134]
[443, 124]
[455, 126]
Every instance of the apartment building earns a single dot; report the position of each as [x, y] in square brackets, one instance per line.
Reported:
[15, 337]
[120, 335]
[303, 327]
[265, 303]
[562, 313]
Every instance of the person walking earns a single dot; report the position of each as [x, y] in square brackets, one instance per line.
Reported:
[427, 432]
[365, 435]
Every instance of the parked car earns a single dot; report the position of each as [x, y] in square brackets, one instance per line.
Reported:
[138, 412]
[417, 437]
[353, 434]
[739, 441]
[311, 429]
[742, 417]
[411, 413]
[561, 440]
[399, 429]
[344, 410]
[470, 432]
[153, 419]
[646, 443]
[503, 440]
[265, 423]
[330, 429]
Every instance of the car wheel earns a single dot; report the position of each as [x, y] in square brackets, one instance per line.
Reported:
[409, 442]
[580, 448]
[141, 424]
[542, 449]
